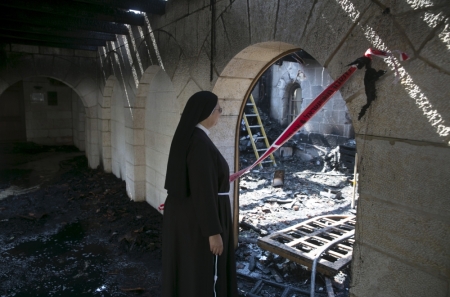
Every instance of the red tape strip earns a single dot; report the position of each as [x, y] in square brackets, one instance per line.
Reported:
[311, 110]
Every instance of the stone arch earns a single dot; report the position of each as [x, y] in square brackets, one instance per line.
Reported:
[291, 94]
[135, 154]
[67, 70]
[397, 138]
[233, 86]
[63, 69]
[154, 117]
[157, 97]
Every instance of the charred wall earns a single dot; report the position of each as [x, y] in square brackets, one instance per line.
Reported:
[332, 125]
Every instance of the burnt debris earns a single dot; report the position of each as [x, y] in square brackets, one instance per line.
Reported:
[370, 77]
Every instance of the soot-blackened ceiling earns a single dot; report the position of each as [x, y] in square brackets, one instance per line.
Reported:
[75, 24]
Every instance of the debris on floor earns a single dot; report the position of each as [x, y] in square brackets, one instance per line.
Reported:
[273, 199]
[78, 234]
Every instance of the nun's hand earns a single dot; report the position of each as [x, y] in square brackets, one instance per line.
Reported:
[216, 244]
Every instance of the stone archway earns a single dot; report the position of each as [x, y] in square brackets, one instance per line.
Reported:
[233, 86]
[63, 69]
[161, 114]
[67, 70]
[149, 133]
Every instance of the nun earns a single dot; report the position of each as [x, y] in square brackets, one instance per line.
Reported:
[198, 251]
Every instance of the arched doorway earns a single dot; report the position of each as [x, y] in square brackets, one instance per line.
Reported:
[67, 70]
[238, 81]
[42, 110]
[233, 87]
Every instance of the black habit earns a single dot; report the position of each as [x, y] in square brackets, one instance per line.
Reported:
[189, 220]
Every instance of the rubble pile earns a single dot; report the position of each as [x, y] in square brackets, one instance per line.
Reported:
[266, 206]
[77, 235]
[332, 151]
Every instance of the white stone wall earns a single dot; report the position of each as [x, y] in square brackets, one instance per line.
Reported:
[161, 119]
[48, 124]
[104, 122]
[118, 135]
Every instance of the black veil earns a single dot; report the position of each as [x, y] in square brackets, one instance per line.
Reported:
[198, 108]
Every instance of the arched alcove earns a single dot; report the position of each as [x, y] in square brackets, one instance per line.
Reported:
[233, 87]
[42, 110]
[234, 99]
[69, 71]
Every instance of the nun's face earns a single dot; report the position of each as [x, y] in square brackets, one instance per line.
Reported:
[212, 120]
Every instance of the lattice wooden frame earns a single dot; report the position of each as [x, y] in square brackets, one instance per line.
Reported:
[301, 242]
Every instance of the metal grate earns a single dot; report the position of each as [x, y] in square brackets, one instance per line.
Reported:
[301, 243]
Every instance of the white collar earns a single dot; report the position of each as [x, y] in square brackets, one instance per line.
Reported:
[203, 128]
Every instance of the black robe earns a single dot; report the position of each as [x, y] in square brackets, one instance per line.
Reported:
[188, 263]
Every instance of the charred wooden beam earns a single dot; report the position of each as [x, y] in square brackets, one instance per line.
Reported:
[61, 32]
[45, 19]
[51, 39]
[149, 6]
[77, 10]
[48, 44]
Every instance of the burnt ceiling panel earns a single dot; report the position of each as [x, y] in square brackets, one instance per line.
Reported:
[77, 24]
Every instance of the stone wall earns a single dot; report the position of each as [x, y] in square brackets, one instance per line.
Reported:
[118, 135]
[53, 113]
[332, 119]
[12, 114]
[78, 119]
[76, 69]
[46, 123]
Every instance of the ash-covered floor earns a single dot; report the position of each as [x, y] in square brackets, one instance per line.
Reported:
[67, 230]
[73, 231]
[307, 192]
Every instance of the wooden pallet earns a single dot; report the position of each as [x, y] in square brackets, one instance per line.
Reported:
[301, 242]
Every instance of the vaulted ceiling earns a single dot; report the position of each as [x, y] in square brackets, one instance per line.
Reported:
[75, 24]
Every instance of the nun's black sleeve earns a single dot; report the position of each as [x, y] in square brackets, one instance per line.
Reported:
[203, 183]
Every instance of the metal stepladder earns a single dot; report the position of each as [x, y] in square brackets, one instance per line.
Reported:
[263, 132]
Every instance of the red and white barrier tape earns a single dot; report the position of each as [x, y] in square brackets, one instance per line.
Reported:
[383, 54]
[313, 108]
[386, 55]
